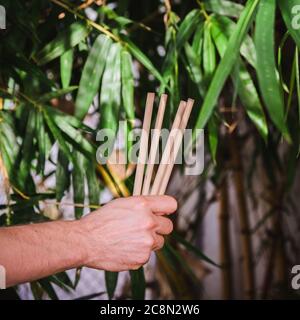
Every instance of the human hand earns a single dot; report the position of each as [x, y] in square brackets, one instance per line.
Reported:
[121, 234]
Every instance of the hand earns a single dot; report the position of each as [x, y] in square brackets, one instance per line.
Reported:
[121, 235]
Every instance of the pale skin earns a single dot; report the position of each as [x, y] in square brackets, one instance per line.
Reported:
[119, 236]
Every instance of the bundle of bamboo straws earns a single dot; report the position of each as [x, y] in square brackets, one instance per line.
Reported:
[142, 184]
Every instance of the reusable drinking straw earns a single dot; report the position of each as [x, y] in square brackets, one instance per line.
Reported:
[177, 142]
[143, 145]
[154, 144]
[168, 148]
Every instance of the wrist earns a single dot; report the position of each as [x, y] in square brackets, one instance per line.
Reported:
[78, 237]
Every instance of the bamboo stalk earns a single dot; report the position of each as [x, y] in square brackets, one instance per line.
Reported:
[143, 145]
[165, 157]
[154, 144]
[177, 142]
[245, 234]
[225, 248]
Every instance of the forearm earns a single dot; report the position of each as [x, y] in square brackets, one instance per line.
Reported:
[34, 251]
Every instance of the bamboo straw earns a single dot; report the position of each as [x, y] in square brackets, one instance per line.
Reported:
[163, 183]
[164, 161]
[143, 145]
[154, 144]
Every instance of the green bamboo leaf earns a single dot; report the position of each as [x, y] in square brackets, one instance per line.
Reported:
[187, 27]
[243, 83]
[27, 151]
[65, 40]
[268, 77]
[61, 175]
[91, 75]
[111, 279]
[192, 64]
[48, 288]
[110, 95]
[198, 40]
[213, 138]
[78, 180]
[9, 146]
[209, 53]
[185, 31]
[58, 136]
[142, 58]
[56, 94]
[248, 50]
[93, 185]
[290, 10]
[224, 8]
[41, 140]
[71, 134]
[138, 284]
[193, 249]
[127, 84]
[66, 64]
[227, 63]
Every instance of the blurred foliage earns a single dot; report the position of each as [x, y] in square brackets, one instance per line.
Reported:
[239, 60]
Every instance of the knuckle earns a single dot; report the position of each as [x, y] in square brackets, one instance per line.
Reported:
[143, 202]
[149, 223]
[149, 241]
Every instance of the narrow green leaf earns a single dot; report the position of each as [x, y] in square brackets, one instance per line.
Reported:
[110, 95]
[142, 58]
[224, 8]
[91, 75]
[61, 175]
[187, 27]
[243, 83]
[127, 84]
[58, 136]
[48, 288]
[268, 77]
[41, 140]
[247, 50]
[209, 52]
[290, 10]
[213, 138]
[227, 63]
[193, 249]
[65, 40]
[138, 284]
[93, 185]
[27, 151]
[198, 40]
[111, 279]
[78, 180]
[56, 94]
[66, 65]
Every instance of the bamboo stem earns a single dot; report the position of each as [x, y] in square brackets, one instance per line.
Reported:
[143, 145]
[175, 147]
[225, 248]
[246, 242]
[154, 144]
[164, 161]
